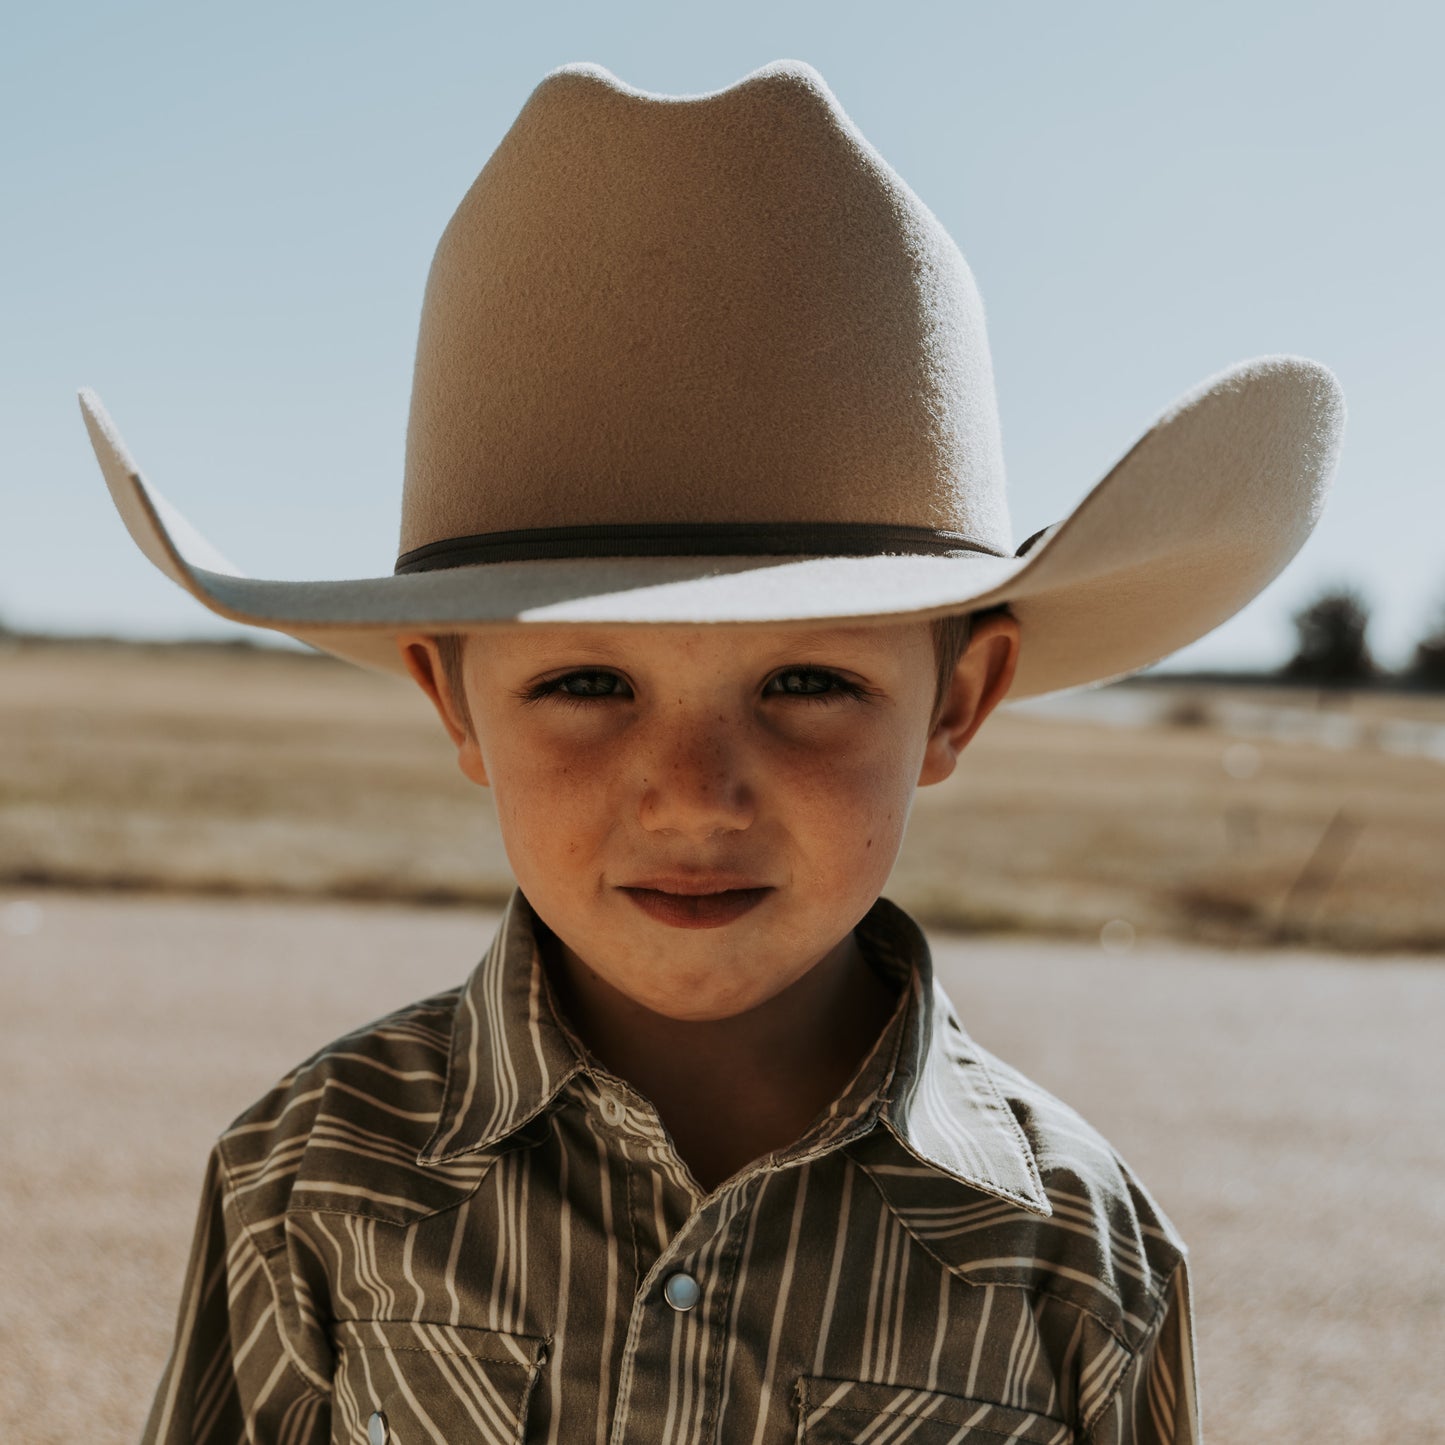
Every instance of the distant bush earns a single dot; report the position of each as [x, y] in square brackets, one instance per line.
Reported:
[1427, 668]
[1187, 710]
[1331, 648]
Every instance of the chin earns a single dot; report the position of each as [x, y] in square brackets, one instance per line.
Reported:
[694, 1002]
[693, 1014]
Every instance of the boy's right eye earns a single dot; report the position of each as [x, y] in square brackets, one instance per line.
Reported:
[580, 685]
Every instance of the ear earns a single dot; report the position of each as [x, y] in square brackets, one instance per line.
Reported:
[423, 661]
[980, 680]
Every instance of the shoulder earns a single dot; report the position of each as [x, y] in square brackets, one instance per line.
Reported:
[341, 1132]
[1084, 1176]
[1104, 1246]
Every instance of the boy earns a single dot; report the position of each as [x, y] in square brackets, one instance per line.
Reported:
[705, 566]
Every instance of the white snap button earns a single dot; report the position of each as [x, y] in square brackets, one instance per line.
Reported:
[613, 1109]
[377, 1431]
[681, 1291]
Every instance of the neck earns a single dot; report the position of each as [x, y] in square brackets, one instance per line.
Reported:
[731, 1090]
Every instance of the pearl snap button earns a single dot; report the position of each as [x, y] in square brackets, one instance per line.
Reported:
[681, 1291]
[377, 1432]
[613, 1109]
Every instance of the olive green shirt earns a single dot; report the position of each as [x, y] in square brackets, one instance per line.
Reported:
[456, 1225]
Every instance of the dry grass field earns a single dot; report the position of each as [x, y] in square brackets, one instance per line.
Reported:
[241, 771]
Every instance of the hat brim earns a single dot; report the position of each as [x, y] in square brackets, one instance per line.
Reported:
[1194, 520]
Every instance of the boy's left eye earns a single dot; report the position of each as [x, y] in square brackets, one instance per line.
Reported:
[812, 682]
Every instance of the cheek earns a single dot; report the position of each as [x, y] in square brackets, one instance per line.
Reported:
[851, 806]
[550, 806]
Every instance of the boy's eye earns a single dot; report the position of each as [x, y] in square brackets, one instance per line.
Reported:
[582, 684]
[810, 682]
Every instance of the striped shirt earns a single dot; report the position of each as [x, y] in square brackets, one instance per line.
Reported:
[456, 1225]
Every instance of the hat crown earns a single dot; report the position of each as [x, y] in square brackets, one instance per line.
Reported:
[720, 308]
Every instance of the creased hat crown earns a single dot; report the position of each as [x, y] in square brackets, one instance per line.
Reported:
[720, 308]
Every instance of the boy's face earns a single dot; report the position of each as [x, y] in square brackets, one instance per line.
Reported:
[701, 814]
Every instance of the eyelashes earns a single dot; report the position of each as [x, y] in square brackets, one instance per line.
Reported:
[812, 684]
[583, 686]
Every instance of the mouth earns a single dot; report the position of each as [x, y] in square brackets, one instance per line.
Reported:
[695, 903]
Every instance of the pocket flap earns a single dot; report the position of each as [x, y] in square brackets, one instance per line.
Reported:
[433, 1382]
[852, 1412]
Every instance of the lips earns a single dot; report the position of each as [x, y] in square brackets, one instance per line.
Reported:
[695, 901]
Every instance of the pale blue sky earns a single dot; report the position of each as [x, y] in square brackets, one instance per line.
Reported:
[221, 218]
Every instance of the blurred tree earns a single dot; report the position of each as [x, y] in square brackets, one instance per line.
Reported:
[1428, 666]
[1331, 649]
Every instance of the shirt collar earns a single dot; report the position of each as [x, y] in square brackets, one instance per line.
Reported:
[925, 1080]
[941, 1100]
[509, 1055]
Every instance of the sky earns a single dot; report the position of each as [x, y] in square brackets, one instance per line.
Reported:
[221, 218]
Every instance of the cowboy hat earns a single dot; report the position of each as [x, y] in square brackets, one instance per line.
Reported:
[708, 359]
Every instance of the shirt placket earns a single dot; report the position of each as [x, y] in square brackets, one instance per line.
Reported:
[677, 1324]
[679, 1327]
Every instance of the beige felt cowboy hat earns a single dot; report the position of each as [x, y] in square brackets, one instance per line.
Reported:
[707, 359]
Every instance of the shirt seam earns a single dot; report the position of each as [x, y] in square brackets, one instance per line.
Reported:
[420, 1216]
[500, 1138]
[1131, 1357]
[449, 1086]
[804, 1392]
[629, 1179]
[506, 1360]
[950, 1419]
[1020, 1138]
[885, 1094]
[1042, 1291]
[999, 1191]
[318, 1386]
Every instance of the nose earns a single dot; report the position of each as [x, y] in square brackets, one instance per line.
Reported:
[694, 777]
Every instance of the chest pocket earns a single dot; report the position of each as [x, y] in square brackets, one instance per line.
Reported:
[849, 1412]
[432, 1384]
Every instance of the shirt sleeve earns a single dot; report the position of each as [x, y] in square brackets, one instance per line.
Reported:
[1156, 1401]
[233, 1375]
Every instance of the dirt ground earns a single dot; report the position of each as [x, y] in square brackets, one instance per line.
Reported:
[1243, 816]
[1287, 1110]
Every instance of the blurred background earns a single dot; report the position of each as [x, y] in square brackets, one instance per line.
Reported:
[221, 219]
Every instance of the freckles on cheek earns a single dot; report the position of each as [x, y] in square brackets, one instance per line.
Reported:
[856, 822]
[548, 816]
